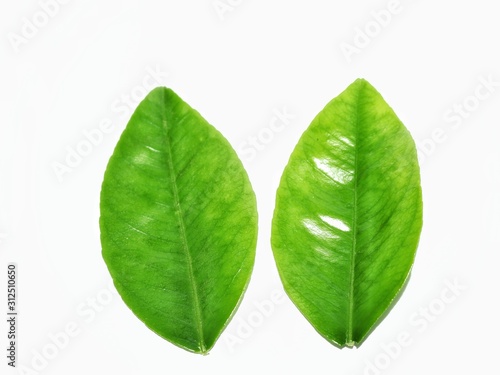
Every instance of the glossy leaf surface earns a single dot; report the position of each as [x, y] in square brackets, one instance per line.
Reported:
[348, 215]
[178, 222]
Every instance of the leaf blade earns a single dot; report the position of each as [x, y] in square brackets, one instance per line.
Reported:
[178, 222]
[331, 226]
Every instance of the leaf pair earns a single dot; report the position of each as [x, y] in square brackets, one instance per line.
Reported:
[179, 219]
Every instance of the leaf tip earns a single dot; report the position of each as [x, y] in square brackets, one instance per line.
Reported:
[161, 90]
[361, 83]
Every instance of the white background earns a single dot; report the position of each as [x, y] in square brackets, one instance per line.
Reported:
[237, 67]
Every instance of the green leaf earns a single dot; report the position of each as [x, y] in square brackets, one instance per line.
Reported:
[348, 215]
[178, 222]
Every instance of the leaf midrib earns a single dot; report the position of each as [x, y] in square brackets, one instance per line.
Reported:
[349, 338]
[182, 229]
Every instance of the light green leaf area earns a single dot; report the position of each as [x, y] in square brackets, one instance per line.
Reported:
[178, 222]
[348, 215]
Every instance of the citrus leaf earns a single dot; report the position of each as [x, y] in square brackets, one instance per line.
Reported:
[178, 222]
[348, 215]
